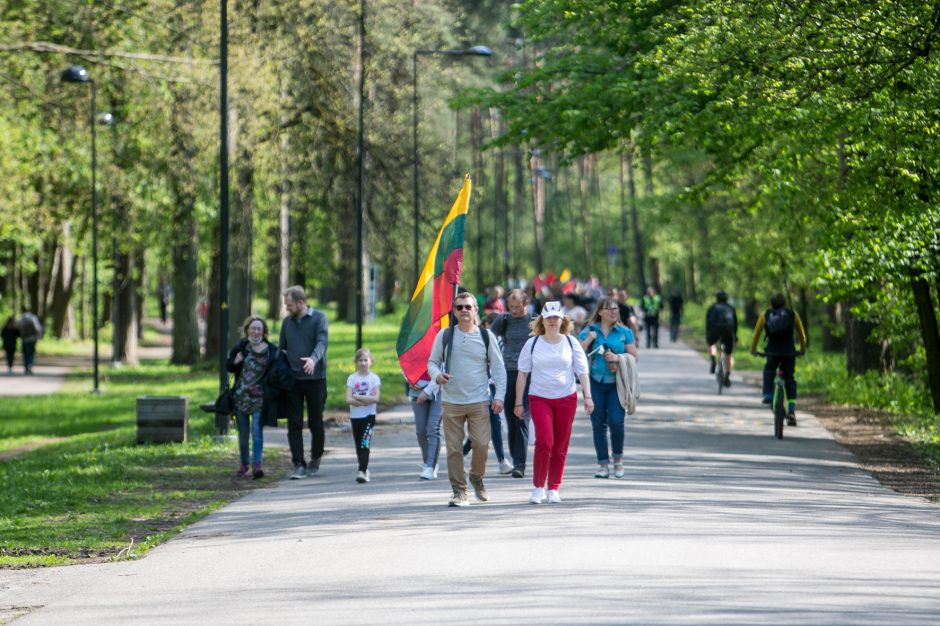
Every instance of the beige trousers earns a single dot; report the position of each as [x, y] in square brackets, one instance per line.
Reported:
[476, 416]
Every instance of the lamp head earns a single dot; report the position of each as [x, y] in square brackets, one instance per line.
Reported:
[75, 74]
[480, 51]
[105, 119]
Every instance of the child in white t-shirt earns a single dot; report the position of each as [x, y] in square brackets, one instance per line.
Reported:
[362, 394]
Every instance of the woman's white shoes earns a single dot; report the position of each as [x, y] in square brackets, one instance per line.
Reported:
[539, 494]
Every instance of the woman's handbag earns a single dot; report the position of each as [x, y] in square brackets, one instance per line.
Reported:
[225, 403]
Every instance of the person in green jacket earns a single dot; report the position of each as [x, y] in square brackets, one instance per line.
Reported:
[651, 304]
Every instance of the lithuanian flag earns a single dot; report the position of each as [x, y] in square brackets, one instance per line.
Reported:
[433, 297]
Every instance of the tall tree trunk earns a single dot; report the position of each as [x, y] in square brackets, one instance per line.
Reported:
[479, 187]
[127, 309]
[582, 205]
[622, 243]
[500, 193]
[241, 221]
[279, 236]
[831, 342]
[538, 207]
[519, 207]
[213, 319]
[183, 185]
[635, 217]
[861, 353]
[930, 334]
[63, 287]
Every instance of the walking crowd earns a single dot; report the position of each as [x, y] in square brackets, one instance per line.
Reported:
[519, 363]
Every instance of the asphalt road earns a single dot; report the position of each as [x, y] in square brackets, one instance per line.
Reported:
[715, 522]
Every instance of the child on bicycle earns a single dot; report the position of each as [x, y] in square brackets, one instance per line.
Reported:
[780, 325]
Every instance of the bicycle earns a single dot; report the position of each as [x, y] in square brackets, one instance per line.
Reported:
[720, 368]
[779, 403]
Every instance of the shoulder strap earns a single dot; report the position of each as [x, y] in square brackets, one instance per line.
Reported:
[448, 339]
[486, 348]
[532, 348]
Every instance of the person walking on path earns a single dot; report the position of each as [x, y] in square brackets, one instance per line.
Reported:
[496, 430]
[780, 324]
[554, 361]
[651, 304]
[30, 334]
[304, 336]
[362, 396]
[513, 328]
[627, 314]
[10, 334]
[603, 339]
[251, 360]
[462, 365]
[675, 315]
[425, 399]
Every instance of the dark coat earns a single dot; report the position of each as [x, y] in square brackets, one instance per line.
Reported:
[10, 335]
[270, 405]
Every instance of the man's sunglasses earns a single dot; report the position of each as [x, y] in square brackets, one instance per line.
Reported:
[463, 307]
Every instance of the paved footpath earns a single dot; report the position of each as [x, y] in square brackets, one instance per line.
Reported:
[715, 523]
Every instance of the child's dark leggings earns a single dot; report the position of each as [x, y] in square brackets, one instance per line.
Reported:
[362, 428]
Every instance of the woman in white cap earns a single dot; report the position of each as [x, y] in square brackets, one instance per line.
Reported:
[553, 360]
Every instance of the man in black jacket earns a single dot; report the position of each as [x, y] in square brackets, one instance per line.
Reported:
[304, 337]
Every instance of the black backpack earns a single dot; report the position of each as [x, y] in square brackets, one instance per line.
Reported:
[720, 315]
[778, 322]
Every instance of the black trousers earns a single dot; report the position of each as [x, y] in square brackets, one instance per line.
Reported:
[313, 392]
[518, 434]
[652, 331]
[362, 429]
[788, 364]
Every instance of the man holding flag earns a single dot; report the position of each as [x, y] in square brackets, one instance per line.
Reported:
[429, 312]
[462, 362]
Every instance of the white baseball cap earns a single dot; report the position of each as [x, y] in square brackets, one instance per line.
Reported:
[552, 309]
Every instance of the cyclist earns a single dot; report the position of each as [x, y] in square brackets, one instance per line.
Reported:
[779, 325]
[721, 324]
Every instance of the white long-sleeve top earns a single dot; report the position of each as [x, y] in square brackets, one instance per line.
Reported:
[468, 367]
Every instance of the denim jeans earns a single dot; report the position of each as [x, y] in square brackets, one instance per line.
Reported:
[250, 423]
[608, 414]
[29, 355]
[428, 429]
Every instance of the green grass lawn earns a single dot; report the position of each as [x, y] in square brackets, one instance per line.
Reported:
[75, 486]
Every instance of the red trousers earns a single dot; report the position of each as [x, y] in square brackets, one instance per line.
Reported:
[553, 419]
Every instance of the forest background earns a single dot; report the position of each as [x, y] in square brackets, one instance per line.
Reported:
[754, 147]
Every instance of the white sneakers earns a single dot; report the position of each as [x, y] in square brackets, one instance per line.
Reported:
[602, 472]
[538, 496]
[428, 473]
[362, 476]
[618, 470]
[505, 467]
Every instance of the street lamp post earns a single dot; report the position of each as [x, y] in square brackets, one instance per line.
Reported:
[477, 51]
[222, 421]
[78, 74]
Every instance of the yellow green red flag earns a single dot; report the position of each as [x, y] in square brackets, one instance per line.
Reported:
[433, 296]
